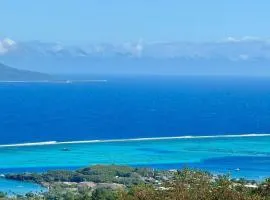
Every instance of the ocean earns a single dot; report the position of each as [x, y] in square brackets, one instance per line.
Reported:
[133, 107]
[220, 124]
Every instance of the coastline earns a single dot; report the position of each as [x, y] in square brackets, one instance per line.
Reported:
[122, 177]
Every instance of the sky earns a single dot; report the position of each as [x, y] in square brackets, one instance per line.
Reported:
[88, 21]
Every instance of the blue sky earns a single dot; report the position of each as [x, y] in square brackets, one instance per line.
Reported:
[85, 21]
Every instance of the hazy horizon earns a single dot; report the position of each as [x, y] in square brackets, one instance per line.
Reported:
[173, 37]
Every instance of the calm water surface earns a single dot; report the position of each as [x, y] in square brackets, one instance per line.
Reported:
[138, 107]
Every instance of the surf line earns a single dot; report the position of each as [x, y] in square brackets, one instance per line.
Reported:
[132, 140]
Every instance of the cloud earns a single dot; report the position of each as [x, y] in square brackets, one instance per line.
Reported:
[135, 49]
[138, 49]
[57, 48]
[6, 45]
[246, 39]
[243, 57]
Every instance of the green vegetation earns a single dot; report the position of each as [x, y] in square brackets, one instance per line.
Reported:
[97, 174]
[184, 184]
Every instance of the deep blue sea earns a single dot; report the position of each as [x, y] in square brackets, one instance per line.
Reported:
[137, 107]
[133, 107]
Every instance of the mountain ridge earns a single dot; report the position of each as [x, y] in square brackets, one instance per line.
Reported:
[12, 74]
[232, 48]
[248, 56]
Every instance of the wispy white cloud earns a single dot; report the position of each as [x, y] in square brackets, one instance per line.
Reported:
[243, 57]
[246, 39]
[6, 45]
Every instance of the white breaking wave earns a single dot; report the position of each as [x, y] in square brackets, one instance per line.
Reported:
[29, 144]
[133, 140]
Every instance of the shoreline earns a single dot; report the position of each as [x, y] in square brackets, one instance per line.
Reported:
[109, 177]
[46, 143]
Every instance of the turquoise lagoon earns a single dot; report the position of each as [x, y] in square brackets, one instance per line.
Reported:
[242, 156]
[17, 187]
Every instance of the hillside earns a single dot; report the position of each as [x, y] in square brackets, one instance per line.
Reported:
[11, 74]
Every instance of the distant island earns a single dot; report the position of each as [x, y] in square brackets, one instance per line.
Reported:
[12, 74]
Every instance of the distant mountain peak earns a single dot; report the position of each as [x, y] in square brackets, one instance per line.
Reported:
[12, 74]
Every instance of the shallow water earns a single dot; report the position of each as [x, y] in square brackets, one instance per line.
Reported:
[219, 155]
[16, 187]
